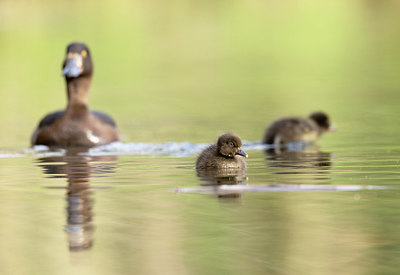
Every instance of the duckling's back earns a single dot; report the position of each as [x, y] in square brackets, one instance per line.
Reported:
[290, 130]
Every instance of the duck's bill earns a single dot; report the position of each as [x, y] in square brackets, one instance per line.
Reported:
[73, 67]
[242, 153]
[332, 128]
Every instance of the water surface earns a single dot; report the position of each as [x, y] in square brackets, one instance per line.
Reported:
[92, 213]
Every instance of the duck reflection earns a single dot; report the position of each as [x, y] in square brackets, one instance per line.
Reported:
[217, 178]
[309, 161]
[78, 169]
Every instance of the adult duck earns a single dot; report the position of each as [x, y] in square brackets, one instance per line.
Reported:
[76, 125]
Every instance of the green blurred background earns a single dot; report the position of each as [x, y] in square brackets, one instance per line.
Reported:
[189, 70]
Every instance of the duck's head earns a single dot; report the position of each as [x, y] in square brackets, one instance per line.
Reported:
[229, 145]
[78, 61]
[322, 121]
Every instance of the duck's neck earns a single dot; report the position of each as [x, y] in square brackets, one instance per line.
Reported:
[78, 93]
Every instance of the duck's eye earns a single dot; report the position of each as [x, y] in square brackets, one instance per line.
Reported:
[84, 53]
[231, 144]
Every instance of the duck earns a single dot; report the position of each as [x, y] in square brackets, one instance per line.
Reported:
[226, 153]
[298, 129]
[76, 125]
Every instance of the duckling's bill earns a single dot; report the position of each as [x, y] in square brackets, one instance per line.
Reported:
[242, 153]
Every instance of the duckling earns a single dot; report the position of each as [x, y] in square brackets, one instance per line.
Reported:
[76, 125]
[292, 129]
[225, 154]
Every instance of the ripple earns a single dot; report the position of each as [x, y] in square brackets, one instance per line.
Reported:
[176, 149]
[11, 155]
[141, 148]
[227, 189]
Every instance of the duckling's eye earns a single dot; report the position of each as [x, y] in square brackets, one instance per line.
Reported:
[84, 53]
[231, 144]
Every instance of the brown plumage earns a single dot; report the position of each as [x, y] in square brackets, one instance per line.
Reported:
[225, 154]
[292, 129]
[76, 125]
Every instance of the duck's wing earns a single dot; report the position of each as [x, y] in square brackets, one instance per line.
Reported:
[104, 118]
[50, 119]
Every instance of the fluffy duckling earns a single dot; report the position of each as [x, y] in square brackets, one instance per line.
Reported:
[76, 125]
[292, 129]
[225, 154]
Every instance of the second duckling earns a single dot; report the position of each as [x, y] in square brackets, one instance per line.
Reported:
[294, 129]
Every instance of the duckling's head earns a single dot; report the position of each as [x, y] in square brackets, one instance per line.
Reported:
[229, 145]
[78, 61]
[322, 121]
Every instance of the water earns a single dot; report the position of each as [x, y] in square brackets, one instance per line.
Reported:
[116, 209]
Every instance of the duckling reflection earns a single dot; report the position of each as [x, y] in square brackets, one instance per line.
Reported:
[310, 162]
[78, 169]
[219, 177]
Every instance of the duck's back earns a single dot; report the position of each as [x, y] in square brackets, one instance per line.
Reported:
[86, 129]
[50, 119]
[210, 159]
[290, 130]
[104, 118]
